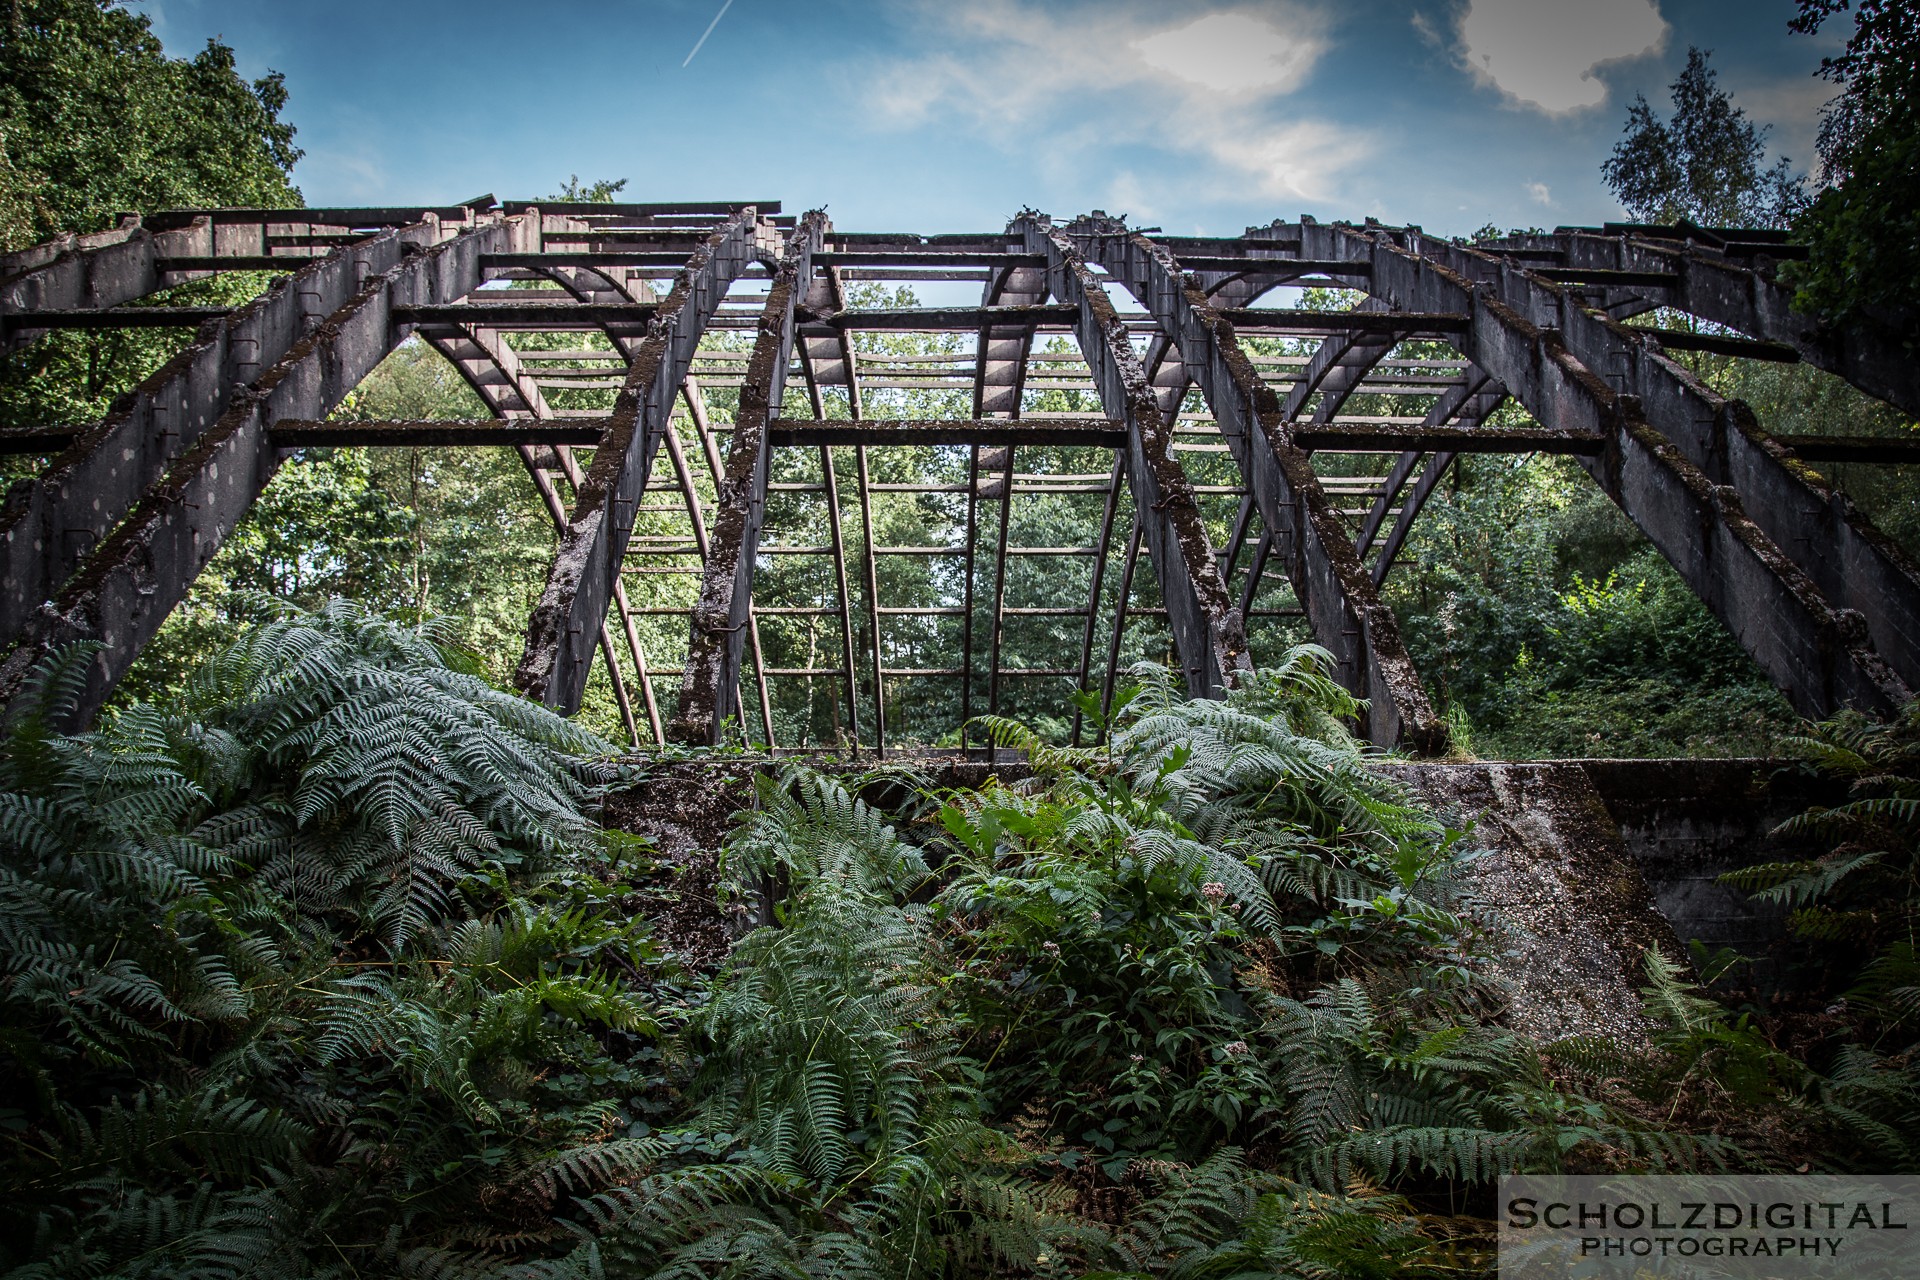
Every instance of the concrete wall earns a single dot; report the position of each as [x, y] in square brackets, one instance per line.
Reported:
[1686, 822]
[1594, 860]
[1552, 864]
[1670, 827]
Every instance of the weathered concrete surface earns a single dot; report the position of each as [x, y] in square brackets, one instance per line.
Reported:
[721, 615]
[1687, 822]
[125, 588]
[53, 521]
[1209, 633]
[1854, 564]
[565, 624]
[1867, 354]
[100, 270]
[1662, 835]
[1556, 867]
[1342, 604]
[1819, 655]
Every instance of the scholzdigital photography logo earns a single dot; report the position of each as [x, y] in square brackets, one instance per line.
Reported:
[1738, 1227]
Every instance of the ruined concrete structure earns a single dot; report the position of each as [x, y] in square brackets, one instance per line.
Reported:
[107, 537]
[1589, 864]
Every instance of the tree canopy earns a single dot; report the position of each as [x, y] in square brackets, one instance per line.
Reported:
[1864, 227]
[1706, 163]
[96, 119]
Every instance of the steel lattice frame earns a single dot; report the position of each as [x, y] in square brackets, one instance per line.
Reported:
[107, 537]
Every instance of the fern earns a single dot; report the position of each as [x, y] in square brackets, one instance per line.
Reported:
[218, 1068]
[398, 1017]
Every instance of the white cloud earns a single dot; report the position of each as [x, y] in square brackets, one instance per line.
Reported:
[1547, 53]
[1126, 195]
[1294, 160]
[1030, 75]
[1540, 193]
[1233, 53]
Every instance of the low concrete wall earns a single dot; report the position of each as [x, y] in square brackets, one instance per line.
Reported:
[1552, 864]
[1595, 861]
[1687, 822]
[1675, 824]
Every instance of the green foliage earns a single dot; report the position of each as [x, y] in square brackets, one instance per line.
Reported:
[95, 119]
[1214, 959]
[1863, 229]
[286, 989]
[1217, 930]
[600, 191]
[393, 775]
[1858, 904]
[1697, 1039]
[1221, 1218]
[1541, 617]
[455, 533]
[1704, 165]
[1864, 892]
[321, 968]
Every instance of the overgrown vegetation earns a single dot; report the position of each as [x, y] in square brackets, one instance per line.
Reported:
[1545, 623]
[1858, 904]
[96, 120]
[322, 967]
[1862, 228]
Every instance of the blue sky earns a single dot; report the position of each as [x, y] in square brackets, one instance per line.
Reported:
[928, 116]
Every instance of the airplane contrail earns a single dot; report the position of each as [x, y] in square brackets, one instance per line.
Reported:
[709, 31]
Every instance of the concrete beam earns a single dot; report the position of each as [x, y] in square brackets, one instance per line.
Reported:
[1348, 437]
[1341, 601]
[77, 273]
[33, 323]
[52, 521]
[1362, 437]
[1393, 326]
[560, 634]
[256, 221]
[432, 432]
[126, 586]
[1853, 449]
[1733, 293]
[940, 319]
[1463, 407]
[720, 616]
[507, 312]
[1856, 566]
[1209, 632]
[494, 370]
[1819, 656]
[990, 432]
[594, 211]
[1721, 345]
[35, 256]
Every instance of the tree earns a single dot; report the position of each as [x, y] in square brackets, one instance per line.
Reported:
[95, 119]
[1704, 164]
[1863, 229]
[601, 191]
